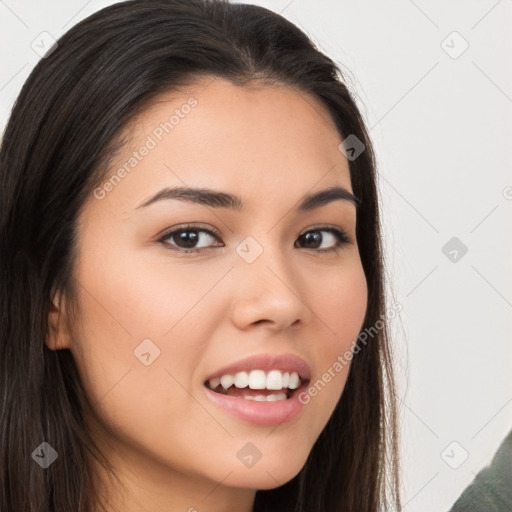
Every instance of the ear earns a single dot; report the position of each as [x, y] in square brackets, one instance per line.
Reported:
[58, 335]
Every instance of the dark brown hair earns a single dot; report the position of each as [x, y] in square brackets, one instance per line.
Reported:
[61, 132]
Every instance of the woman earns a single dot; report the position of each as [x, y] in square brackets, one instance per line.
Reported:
[193, 311]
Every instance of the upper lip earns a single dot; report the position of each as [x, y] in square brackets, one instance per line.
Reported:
[267, 362]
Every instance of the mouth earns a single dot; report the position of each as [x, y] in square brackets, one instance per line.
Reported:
[258, 385]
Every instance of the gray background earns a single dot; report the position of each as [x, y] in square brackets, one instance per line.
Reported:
[440, 119]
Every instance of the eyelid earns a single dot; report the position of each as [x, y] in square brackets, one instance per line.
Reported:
[330, 228]
[199, 227]
[339, 233]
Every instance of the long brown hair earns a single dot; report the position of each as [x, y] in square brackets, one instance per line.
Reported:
[61, 131]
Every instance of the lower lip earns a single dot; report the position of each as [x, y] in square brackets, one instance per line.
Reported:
[260, 413]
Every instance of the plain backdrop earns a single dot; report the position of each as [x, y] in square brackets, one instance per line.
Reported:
[433, 80]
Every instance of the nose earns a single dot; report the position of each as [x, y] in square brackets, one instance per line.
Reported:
[268, 291]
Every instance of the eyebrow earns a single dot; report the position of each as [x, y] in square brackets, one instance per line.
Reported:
[216, 199]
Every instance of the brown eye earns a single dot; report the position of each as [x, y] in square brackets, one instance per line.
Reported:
[189, 239]
[313, 239]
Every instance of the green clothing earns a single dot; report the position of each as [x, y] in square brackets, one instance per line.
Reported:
[491, 489]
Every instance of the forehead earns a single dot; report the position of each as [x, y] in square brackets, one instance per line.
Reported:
[249, 139]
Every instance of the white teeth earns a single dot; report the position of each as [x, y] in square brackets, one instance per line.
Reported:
[227, 381]
[294, 381]
[276, 397]
[269, 398]
[274, 380]
[214, 382]
[241, 379]
[257, 379]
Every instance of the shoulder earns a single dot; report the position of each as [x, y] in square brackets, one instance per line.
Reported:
[491, 490]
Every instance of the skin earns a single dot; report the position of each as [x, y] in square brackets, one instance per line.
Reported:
[174, 449]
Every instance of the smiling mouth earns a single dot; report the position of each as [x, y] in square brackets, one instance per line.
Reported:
[276, 388]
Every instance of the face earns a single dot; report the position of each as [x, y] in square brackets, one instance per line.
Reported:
[160, 313]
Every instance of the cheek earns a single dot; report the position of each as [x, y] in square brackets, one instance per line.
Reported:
[341, 310]
[147, 406]
[132, 307]
[341, 306]
[151, 407]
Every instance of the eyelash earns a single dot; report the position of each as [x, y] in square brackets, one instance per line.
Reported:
[341, 238]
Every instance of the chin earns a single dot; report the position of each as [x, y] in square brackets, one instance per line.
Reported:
[264, 476]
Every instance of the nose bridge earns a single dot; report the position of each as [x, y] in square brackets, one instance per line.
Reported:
[263, 256]
[268, 287]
